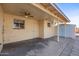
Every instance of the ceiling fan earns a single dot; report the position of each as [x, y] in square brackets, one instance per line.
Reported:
[25, 13]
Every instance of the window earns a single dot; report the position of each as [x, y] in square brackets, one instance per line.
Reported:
[19, 24]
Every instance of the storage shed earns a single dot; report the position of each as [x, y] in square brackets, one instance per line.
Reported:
[66, 30]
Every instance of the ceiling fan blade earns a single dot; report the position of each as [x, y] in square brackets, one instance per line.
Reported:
[31, 16]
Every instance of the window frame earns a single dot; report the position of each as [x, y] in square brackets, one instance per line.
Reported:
[18, 24]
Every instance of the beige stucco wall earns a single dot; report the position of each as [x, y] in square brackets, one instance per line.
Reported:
[45, 31]
[48, 31]
[33, 29]
[12, 35]
[1, 23]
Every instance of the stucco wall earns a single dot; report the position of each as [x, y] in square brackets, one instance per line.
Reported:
[45, 31]
[48, 31]
[33, 29]
[12, 35]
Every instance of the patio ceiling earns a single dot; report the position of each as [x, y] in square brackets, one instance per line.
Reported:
[17, 9]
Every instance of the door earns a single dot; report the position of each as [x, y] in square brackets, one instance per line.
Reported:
[34, 28]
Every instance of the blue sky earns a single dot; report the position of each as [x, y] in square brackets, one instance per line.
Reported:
[71, 10]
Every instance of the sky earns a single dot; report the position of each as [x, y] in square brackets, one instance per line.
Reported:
[71, 10]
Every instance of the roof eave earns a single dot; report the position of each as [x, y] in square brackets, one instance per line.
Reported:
[57, 8]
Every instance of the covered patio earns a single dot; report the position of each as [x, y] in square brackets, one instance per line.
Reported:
[22, 22]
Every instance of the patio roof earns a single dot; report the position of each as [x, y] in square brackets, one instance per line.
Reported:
[53, 10]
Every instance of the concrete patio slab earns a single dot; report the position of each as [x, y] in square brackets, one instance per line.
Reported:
[39, 47]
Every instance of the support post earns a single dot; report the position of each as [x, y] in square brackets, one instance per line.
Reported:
[65, 30]
[57, 31]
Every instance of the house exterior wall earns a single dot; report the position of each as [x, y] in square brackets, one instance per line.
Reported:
[33, 29]
[45, 31]
[48, 31]
[30, 31]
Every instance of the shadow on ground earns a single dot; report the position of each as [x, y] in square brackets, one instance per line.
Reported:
[39, 47]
